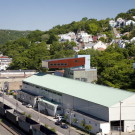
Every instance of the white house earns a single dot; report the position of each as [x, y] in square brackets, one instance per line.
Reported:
[129, 22]
[90, 104]
[4, 62]
[65, 37]
[121, 44]
[100, 44]
[84, 37]
[112, 23]
[133, 39]
[120, 22]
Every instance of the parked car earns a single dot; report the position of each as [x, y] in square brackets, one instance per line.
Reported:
[64, 126]
[29, 105]
[58, 122]
[60, 118]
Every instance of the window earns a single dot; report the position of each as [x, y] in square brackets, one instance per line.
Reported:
[76, 60]
[84, 79]
[77, 78]
[51, 64]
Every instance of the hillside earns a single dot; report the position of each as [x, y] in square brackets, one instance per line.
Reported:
[8, 35]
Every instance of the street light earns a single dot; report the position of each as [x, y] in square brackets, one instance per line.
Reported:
[120, 118]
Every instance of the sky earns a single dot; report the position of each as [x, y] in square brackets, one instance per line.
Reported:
[45, 14]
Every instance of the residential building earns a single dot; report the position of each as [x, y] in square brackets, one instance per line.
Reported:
[92, 104]
[133, 39]
[99, 44]
[112, 23]
[4, 62]
[129, 22]
[84, 37]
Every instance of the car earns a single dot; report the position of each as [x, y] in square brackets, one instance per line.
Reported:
[64, 126]
[60, 118]
[29, 106]
[58, 122]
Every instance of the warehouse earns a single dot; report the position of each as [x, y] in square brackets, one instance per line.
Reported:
[95, 105]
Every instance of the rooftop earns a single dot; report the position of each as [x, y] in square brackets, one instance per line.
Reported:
[106, 96]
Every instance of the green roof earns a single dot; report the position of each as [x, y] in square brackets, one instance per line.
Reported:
[106, 96]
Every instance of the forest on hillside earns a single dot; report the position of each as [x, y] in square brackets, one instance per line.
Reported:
[10, 35]
[114, 65]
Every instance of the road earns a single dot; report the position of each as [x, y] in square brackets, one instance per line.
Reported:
[39, 117]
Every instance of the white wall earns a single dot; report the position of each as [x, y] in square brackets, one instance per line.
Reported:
[129, 126]
[105, 128]
[87, 60]
[127, 110]
[96, 125]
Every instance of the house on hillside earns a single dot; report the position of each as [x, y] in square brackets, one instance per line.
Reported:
[120, 22]
[100, 45]
[67, 37]
[112, 23]
[4, 62]
[129, 22]
[84, 37]
[132, 40]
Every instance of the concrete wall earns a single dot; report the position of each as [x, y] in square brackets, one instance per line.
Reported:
[86, 106]
[3, 109]
[10, 115]
[27, 98]
[41, 130]
[88, 75]
[13, 85]
[26, 123]
[43, 92]
[16, 81]
[46, 108]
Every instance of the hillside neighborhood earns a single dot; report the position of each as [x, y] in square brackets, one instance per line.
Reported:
[73, 79]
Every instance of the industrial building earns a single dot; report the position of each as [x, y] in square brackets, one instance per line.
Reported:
[77, 68]
[104, 108]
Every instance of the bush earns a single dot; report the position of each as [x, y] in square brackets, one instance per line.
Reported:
[29, 115]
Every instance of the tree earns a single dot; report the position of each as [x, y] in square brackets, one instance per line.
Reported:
[92, 28]
[88, 128]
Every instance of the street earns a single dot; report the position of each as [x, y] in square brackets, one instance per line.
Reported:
[48, 120]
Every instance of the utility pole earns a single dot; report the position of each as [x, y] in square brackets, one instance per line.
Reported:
[120, 118]
[70, 114]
